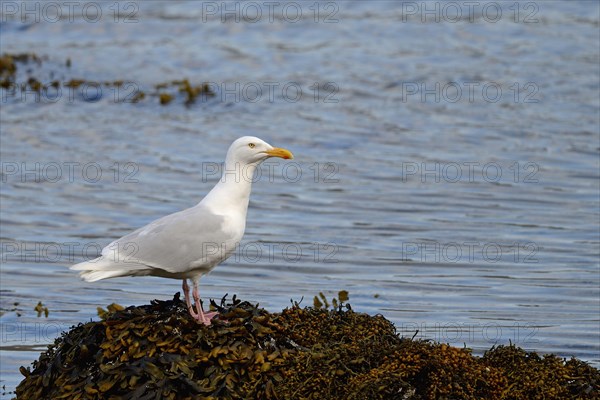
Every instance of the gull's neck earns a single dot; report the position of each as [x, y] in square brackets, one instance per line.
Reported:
[232, 192]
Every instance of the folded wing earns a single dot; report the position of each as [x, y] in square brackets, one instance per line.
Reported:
[179, 245]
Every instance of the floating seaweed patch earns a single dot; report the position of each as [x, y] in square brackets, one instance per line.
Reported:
[158, 351]
[41, 309]
[165, 98]
[89, 90]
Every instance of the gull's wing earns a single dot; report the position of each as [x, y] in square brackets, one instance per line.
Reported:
[194, 239]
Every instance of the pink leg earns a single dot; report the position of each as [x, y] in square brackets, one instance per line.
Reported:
[201, 316]
[186, 293]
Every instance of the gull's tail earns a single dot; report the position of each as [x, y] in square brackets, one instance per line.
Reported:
[100, 268]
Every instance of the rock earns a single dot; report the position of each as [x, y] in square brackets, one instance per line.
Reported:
[158, 351]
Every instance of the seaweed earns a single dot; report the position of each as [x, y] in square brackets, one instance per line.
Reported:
[158, 351]
[41, 309]
[164, 92]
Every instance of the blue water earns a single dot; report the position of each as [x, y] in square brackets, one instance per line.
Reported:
[446, 169]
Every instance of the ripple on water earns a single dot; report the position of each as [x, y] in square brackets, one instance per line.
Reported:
[369, 225]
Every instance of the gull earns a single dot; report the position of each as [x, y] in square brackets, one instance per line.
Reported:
[190, 243]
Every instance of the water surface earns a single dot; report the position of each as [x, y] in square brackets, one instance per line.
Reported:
[471, 217]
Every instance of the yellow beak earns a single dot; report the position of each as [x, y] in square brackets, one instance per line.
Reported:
[279, 152]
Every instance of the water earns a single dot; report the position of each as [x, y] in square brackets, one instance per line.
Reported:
[467, 213]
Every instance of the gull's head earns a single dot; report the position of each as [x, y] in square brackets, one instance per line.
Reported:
[251, 150]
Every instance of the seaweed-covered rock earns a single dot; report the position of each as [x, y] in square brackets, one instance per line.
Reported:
[158, 351]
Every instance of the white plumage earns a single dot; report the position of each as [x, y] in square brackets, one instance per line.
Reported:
[190, 243]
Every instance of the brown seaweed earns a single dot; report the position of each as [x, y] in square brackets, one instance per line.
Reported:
[158, 351]
[165, 92]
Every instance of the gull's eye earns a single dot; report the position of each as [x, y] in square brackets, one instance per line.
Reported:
[251, 145]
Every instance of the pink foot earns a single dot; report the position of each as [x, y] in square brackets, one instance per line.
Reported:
[211, 314]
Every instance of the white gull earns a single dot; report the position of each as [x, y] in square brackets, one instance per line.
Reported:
[190, 243]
